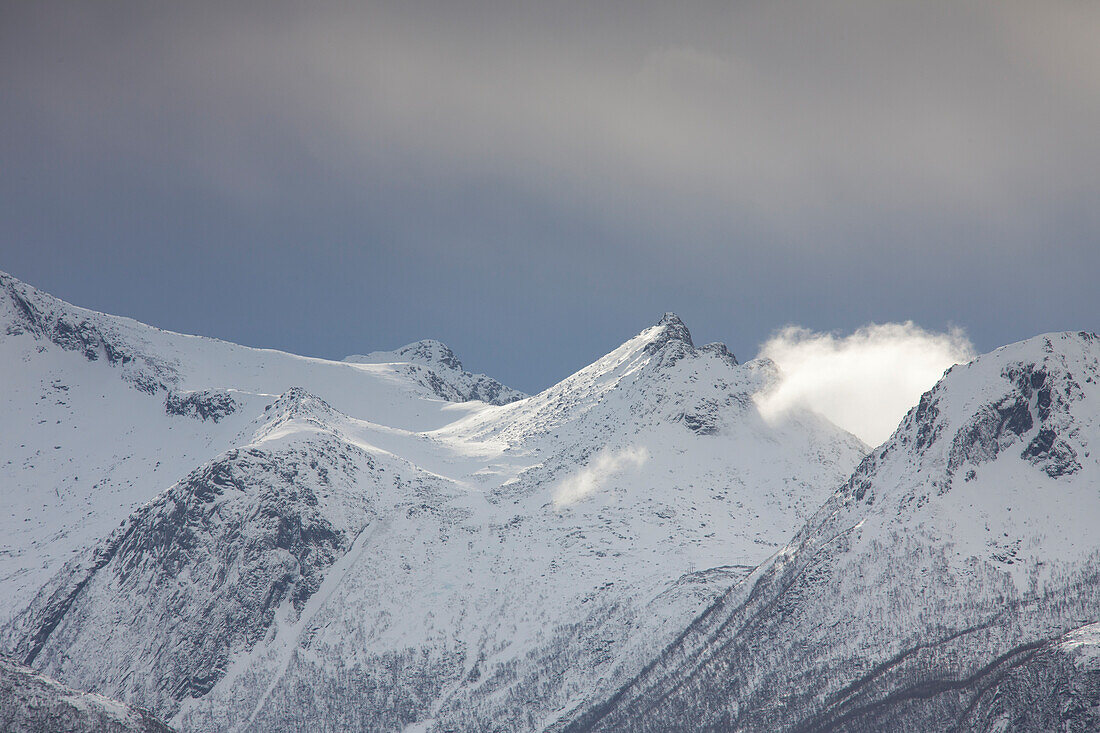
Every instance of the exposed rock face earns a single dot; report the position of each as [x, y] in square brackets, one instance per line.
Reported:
[430, 353]
[40, 316]
[207, 404]
[931, 592]
[32, 703]
[204, 568]
[670, 330]
[25, 310]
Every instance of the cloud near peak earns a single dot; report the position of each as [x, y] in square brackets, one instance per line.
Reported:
[865, 381]
[606, 465]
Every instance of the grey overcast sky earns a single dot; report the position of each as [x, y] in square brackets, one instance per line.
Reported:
[533, 183]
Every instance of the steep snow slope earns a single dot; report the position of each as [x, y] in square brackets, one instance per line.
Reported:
[200, 572]
[100, 414]
[930, 592]
[556, 563]
[30, 702]
[375, 557]
[388, 392]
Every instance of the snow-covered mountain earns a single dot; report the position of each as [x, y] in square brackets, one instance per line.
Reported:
[383, 542]
[248, 540]
[31, 702]
[433, 365]
[101, 414]
[950, 584]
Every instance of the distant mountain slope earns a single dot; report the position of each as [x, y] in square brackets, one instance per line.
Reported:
[932, 591]
[101, 414]
[436, 367]
[506, 595]
[31, 703]
[153, 360]
[363, 554]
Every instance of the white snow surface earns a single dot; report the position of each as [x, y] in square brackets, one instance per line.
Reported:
[83, 446]
[970, 532]
[476, 582]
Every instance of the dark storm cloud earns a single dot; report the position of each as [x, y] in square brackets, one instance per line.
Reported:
[533, 182]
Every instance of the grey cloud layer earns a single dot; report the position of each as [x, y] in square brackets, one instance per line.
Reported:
[788, 150]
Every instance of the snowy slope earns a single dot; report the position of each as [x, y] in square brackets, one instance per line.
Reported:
[101, 414]
[433, 365]
[951, 577]
[514, 596]
[363, 553]
[30, 703]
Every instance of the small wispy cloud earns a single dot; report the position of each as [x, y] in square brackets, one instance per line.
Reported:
[865, 381]
[606, 465]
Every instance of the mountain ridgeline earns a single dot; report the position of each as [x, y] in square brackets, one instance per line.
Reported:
[949, 584]
[236, 539]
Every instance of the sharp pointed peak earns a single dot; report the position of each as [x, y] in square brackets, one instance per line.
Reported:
[668, 329]
[670, 319]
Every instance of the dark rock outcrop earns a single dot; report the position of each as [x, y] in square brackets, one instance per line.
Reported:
[32, 703]
[210, 405]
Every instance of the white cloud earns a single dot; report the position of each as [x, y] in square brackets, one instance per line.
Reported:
[606, 464]
[863, 382]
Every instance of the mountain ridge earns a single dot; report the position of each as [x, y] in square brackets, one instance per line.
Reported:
[264, 522]
[807, 624]
[306, 543]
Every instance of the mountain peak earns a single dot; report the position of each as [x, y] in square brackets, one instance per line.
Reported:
[432, 353]
[670, 317]
[427, 352]
[435, 366]
[668, 329]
